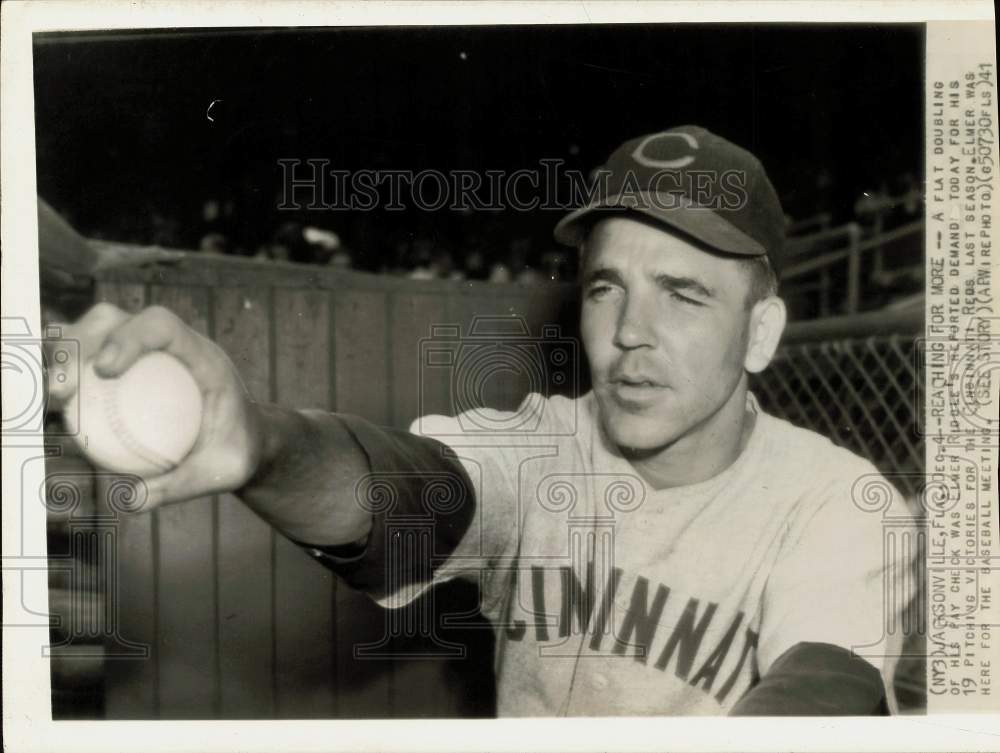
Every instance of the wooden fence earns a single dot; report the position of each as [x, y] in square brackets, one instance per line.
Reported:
[240, 622]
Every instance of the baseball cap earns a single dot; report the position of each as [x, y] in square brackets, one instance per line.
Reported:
[694, 181]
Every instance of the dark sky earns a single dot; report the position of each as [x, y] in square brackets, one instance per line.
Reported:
[121, 119]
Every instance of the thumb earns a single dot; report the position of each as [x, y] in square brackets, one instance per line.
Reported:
[178, 485]
[187, 481]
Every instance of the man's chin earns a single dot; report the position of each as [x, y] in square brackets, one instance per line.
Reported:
[637, 435]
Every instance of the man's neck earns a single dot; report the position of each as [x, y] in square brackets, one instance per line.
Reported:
[704, 452]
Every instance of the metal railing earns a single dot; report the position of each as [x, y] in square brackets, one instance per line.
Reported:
[853, 253]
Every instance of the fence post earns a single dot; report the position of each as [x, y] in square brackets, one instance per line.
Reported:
[853, 268]
[824, 292]
[878, 256]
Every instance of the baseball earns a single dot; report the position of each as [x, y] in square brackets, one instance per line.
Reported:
[143, 422]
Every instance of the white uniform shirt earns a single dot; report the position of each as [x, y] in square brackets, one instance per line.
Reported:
[609, 597]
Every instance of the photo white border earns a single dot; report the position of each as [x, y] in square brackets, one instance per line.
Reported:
[26, 691]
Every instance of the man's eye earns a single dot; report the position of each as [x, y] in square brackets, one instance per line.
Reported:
[596, 292]
[684, 299]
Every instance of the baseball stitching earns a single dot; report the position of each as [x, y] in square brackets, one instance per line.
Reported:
[119, 426]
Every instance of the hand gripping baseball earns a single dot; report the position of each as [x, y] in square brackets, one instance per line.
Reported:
[226, 448]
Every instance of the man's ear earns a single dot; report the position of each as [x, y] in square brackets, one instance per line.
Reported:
[767, 322]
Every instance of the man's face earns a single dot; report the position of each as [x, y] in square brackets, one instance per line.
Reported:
[665, 326]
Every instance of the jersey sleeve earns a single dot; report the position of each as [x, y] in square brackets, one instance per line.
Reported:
[816, 679]
[443, 503]
[839, 579]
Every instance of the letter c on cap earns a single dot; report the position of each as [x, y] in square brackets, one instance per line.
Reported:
[642, 159]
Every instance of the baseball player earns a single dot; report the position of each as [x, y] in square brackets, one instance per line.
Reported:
[659, 545]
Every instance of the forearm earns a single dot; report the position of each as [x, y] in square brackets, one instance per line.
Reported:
[318, 472]
[306, 477]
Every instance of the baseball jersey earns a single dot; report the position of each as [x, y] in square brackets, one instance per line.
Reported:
[610, 597]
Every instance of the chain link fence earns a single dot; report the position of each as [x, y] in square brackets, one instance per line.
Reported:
[862, 393]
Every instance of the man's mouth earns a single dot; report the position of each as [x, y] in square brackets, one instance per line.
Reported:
[635, 392]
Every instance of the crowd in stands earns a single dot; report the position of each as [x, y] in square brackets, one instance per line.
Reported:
[424, 254]
[418, 255]
[416, 258]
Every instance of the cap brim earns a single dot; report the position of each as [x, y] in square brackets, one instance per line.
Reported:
[702, 224]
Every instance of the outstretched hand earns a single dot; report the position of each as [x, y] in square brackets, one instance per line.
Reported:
[229, 444]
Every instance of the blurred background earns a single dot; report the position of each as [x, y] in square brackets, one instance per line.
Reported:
[173, 138]
[162, 149]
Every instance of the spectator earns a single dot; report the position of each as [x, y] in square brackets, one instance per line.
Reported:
[528, 276]
[321, 245]
[499, 272]
[277, 251]
[288, 243]
[475, 265]
[341, 259]
[421, 266]
[443, 264]
[214, 243]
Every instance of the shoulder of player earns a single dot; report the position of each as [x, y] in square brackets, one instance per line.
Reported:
[822, 455]
[827, 480]
[537, 419]
[808, 458]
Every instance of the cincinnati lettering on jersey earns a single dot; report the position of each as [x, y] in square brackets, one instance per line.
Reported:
[633, 631]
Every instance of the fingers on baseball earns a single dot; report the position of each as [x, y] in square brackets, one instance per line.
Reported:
[88, 334]
[153, 328]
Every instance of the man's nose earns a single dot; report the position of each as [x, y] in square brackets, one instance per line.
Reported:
[635, 328]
